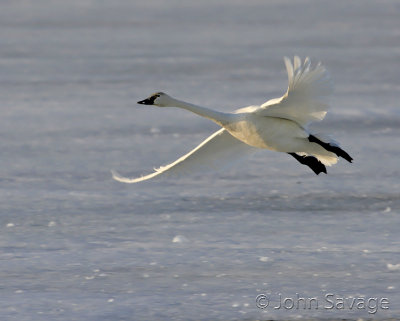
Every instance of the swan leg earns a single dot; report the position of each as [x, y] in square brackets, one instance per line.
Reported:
[311, 162]
[330, 148]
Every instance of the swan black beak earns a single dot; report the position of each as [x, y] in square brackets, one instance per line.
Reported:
[148, 101]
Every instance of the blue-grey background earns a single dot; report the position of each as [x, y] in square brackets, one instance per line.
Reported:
[76, 245]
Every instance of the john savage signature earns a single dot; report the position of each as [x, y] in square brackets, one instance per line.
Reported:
[328, 301]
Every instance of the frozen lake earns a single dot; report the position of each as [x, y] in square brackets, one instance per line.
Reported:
[76, 245]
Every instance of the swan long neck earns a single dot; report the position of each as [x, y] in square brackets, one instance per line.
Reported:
[216, 116]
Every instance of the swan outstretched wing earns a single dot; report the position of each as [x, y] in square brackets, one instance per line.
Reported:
[306, 99]
[213, 153]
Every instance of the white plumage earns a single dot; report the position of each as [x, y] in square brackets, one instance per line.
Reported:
[306, 99]
[212, 153]
[280, 124]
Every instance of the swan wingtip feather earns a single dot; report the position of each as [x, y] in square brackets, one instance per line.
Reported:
[119, 178]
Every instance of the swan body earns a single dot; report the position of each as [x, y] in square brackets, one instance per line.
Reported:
[280, 124]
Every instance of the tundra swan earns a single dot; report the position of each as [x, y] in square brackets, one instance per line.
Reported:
[280, 124]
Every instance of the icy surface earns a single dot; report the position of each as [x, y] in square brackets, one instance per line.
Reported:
[76, 245]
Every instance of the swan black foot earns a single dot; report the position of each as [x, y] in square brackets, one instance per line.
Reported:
[330, 148]
[311, 162]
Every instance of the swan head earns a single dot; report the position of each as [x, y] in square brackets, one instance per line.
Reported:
[159, 99]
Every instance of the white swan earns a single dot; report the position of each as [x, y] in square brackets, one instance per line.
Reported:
[280, 125]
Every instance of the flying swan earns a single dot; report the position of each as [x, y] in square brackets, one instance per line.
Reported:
[280, 124]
